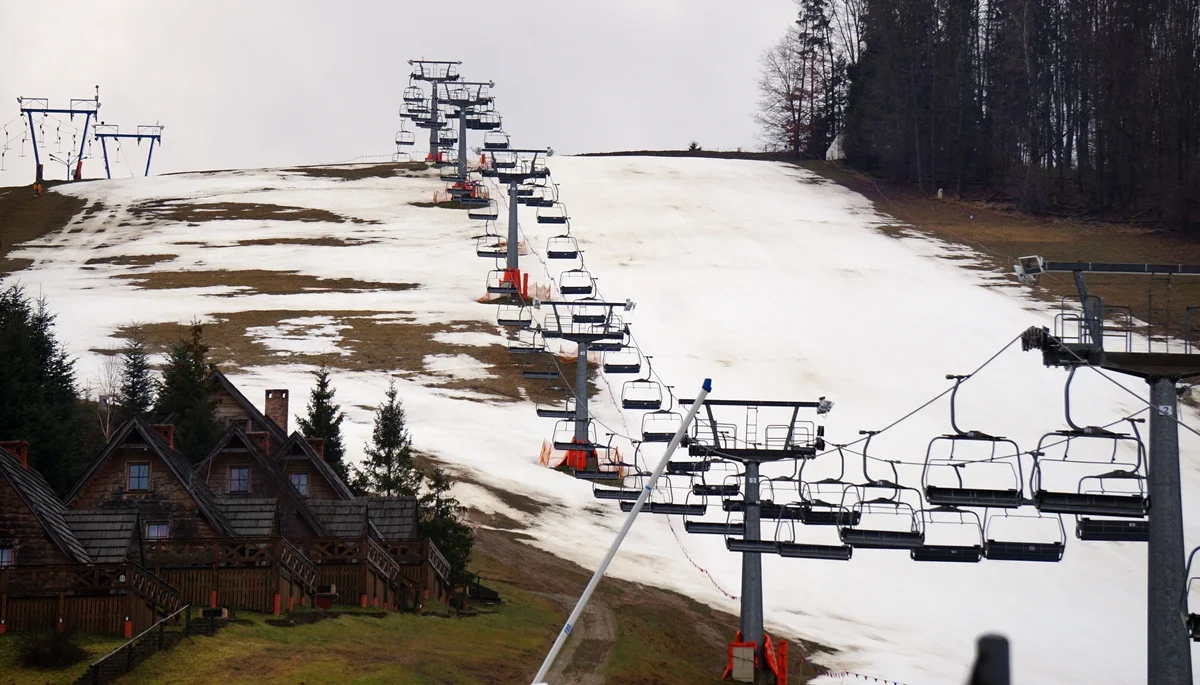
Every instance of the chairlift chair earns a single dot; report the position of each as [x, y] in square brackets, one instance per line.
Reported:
[555, 213]
[1000, 545]
[527, 341]
[868, 533]
[562, 247]
[566, 410]
[514, 316]
[660, 425]
[1191, 611]
[788, 546]
[1119, 491]
[487, 212]
[413, 95]
[576, 282]
[491, 246]
[730, 484]
[626, 360]
[495, 140]
[484, 121]
[642, 394]
[564, 436]
[404, 138]
[499, 282]
[969, 550]
[823, 499]
[540, 367]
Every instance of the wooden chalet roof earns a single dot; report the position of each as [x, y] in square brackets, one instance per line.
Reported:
[342, 519]
[46, 507]
[249, 516]
[136, 428]
[297, 448]
[394, 517]
[236, 438]
[106, 533]
[217, 378]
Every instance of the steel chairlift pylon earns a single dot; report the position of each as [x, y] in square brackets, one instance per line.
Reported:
[958, 494]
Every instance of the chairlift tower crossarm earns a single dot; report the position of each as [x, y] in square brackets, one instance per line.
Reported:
[1168, 642]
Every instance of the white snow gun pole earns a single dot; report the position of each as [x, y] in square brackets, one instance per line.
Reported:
[539, 679]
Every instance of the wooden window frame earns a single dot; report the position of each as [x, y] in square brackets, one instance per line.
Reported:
[292, 479]
[129, 476]
[12, 556]
[244, 467]
[164, 524]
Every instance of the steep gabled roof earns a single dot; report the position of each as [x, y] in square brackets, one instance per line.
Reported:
[235, 436]
[394, 517]
[176, 463]
[342, 519]
[217, 378]
[106, 533]
[250, 516]
[297, 448]
[50, 512]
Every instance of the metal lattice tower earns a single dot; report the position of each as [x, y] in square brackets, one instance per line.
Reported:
[88, 107]
[514, 167]
[106, 132]
[472, 104]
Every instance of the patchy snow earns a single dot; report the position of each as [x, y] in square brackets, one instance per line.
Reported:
[309, 335]
[761, 276]
[460, 366]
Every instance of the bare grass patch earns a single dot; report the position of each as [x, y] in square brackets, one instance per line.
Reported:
[256, 282]
[133, 259]
[196, 212]
[360, 171]
[327, 241]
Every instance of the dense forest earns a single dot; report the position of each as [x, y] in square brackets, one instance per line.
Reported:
[1081, 107]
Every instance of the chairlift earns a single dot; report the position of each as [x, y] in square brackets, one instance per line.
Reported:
[683, 468]
[491, 246]
[942, 478]
[660, 425]
[576, 282]
[730, 484]
[1120, 490]
[527, 341]
[413, 95]
[823, 499]
[566, 410]
[540, 368]
[514, 316]
[500, 282]
[965, 545]
[404, 138]
[555, 213]
[562, 247]
[564, 436]
[1190, 610]
[788, 546]
[885, 521]
[447, 138]
[495, 140]
[1112, 530]
[642, 394]
[488, 212]
[484, 121]
[449, 174]
[626, 360]
[1002, 544]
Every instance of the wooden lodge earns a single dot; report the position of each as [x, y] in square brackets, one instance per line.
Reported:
[261, 523]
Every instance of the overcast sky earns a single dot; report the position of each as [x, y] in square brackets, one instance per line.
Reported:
[252, 83]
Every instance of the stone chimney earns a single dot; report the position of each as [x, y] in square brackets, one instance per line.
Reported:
[261, 440]
[19, 449]
[318, 445]
[166, 431]
[276, 408]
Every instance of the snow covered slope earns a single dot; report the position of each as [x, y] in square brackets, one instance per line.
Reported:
[763, 277]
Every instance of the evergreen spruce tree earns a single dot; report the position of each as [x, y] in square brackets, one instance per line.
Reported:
[441, 522]
[389, 469]
[324, 421]
[183, 397]
[38, 398]
[137, 382]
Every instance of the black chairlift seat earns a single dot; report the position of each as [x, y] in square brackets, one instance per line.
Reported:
[490, 247]
[562, 247]
[628, 367]
[1109, 530]
[567, 412]
[829, 515]
[1023, 551]
[577, 288]
[597, 475]
[766, 509]
[514, 317]
[615, 494]
[707, 490]
[865, 538]
[797, 550]
[603, 345]
[484, 212]
[660, 426]
[680, 468]
[754, 546]
[973, 497]
[541, 374]
[714, 528]
[642, 394]
[965, 554]
[668, 508]
[470, 201]
[1130, 506]
[575, 446]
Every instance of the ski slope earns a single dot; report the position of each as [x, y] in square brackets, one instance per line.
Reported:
[765, 278]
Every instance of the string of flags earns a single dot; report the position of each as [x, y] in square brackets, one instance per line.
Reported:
[844, 675]
[693, 562]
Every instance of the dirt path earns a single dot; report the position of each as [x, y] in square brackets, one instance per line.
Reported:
[585, 656]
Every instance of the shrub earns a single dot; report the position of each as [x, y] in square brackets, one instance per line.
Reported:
[52, 649]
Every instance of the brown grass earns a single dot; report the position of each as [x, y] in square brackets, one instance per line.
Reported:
[24, 217]
[256, 281]
[315, 242]
[1001, 234]
[361, 171]
[133, 260]
[195, 212]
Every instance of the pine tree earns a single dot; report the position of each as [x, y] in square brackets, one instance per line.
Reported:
[39, 401]
[183, 397]
[137, 383]
[324, 421]
[389, 468]
[441, 522]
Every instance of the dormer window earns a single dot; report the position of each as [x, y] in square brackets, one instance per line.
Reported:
[139, 478]
[157, 531]
[300, 480]
[239, 479]
[6, 556]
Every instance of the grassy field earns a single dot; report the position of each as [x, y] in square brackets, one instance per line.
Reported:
[11, 673]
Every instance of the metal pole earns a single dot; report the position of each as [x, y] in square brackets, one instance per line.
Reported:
[512, 262]
[462, 143]
[612, 550]
[752, 601]
[433, 129]
[149, 155]
[104, 147]
[1168, 647]
[581, 393]
[37, 158]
